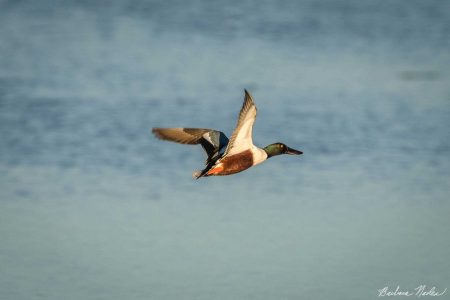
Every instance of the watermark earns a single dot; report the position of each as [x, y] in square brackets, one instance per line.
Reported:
[420, 291]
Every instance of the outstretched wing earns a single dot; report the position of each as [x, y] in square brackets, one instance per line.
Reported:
[211, 140]
[241, 139]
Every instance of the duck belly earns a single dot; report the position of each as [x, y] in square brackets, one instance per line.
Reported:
[232, 164]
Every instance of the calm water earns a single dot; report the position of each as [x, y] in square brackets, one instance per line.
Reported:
[93, 207]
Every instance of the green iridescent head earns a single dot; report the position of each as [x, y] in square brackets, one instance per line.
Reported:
[280, 148]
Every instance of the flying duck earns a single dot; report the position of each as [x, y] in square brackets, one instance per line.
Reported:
[226, 157]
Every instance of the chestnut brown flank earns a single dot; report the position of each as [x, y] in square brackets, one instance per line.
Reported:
[237, 163]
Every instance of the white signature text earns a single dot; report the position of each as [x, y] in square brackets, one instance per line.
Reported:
[420, 291]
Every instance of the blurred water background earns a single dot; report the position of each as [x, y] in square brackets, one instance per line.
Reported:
[93, 207]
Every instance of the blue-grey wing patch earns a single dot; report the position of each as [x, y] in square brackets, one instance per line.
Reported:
[213, 142]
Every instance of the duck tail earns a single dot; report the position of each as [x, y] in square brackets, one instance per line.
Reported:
[202, 173]
[196, 174]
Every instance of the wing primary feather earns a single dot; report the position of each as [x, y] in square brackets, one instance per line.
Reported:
[212, 141]
[190, 136]
[246, 119]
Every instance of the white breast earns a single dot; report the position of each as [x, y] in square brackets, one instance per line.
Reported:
[259, 155]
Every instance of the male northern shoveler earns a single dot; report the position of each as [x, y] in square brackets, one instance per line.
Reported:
[240, 153]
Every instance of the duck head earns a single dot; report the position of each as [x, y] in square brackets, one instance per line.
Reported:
[280, 148]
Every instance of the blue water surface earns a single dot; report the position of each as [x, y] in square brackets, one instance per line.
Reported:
[93, 207]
